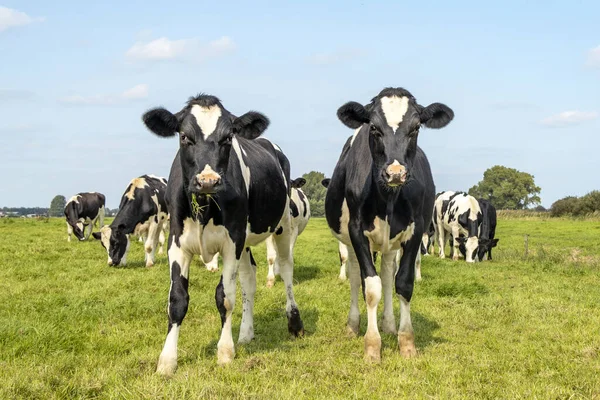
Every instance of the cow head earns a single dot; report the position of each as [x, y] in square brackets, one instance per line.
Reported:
[207, 132]
[469, 248]
[484, 246]
[116, 243]
[393, 119]
[71, 214]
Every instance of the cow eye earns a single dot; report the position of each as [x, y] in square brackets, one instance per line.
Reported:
[373, 130]
[185, 140]
[226, 141]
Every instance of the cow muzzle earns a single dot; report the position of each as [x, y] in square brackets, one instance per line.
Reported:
[395, 174]
[207, 180]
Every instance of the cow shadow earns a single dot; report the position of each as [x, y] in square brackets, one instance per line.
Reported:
[424, 329]
[304, 273]
[270, 333]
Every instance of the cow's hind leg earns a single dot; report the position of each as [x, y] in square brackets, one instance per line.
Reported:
[152, 241]
[69, 232]
[225, 298]
[285, 259]
[353, 324]
[404, 288]
[179, 261]
[248, 281]
[343, 252]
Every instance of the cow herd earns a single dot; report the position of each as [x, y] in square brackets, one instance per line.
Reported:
[229, 189]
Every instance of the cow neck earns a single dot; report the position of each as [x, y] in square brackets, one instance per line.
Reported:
[126, 217]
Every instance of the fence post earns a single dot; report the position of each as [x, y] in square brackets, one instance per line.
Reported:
[526, 245]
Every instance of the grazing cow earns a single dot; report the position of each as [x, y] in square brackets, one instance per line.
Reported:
[342, 248]
[82, 211]
[300, 210]
[380, 198]
[228, 190]
[459, 215]
[488, 230]
[142, 211]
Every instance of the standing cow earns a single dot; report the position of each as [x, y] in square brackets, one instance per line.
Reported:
[142, 211]
[82, 211]
[300, 210]
[458, 214]
[228, 190]
[487, 232]
[380, 198]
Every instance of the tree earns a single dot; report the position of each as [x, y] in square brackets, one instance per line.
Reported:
[564, 206]
[507, 188]
[315, 192]
[57, 206]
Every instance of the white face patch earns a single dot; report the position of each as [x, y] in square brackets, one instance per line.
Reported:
[206, 118]
[471, 246]
[136, 183]
[394, 108]
[245, 170]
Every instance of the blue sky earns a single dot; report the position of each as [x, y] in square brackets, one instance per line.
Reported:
[523, 79]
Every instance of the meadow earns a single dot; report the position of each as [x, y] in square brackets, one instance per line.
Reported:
[520, 326]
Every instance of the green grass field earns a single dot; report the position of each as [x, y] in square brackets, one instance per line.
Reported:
[516, 327]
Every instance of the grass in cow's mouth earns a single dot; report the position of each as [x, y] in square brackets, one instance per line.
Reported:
[197, 208]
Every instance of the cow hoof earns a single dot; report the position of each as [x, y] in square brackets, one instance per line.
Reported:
[270, 282]
[247, 337]
[295, 325]
[373, 348]
[212, 269]
[406, 343]
[418, 278]
[225, 355]
[342, 277]
[166, 366]
[149, 264]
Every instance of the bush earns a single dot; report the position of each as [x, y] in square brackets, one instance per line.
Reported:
[577, 206]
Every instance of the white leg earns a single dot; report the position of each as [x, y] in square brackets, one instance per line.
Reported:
[418, 267]
[179, 262]
[161, 241]
[406, 336]
[69, 232]
[343, 252]
[271, 259]
[101, 214]
[152, 242]
[372, 337]
[225, 346]
[388, 269]
[354, 275]
[441, 241]
[454, 244]
[248, 281]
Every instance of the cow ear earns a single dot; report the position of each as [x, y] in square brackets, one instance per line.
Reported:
[494, 242]
[121, 227]
[353, 115]
[436, 115]
[250, 125]
[325, 182]
[97, 235]
[161, 122]
[461, 239]
[298, 183]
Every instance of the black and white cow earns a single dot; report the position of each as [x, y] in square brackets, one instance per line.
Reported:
[82, 211]
[380, 198]
[300, 210]
[427, 242]
[142, 211]
[458, 214]
[342, 248]
[487, 232]
[228, 190]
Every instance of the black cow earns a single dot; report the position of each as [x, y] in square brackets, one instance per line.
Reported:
[143, 211]
[228, 190]
[488, 230]
[82, 211]
[380, 198]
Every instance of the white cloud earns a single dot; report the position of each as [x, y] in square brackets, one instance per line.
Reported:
[593, 59]
[165, 49]
[10, 18]
[569, 118]
[335, 57]
[135, 93]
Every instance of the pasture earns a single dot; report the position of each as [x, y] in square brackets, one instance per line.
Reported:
[516, 327]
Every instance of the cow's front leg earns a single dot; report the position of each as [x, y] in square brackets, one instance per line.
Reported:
[89, 228]
[69, 232]
[455, 244]
[418, 267]
[161, 241]
[225, 299]
[371, 286]
[388, 268]
[441, 239]
[248, 281]
[271, 259]
[285, 260]
[152, 241]
[404, 288]
[354, 275]
[179, 262]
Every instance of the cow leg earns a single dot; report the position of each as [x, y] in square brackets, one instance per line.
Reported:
[285, 259]
[404, 288]
[152, 241]
[354, 275]
[69, 232]
[271, 259]
[101, 214]
[388, 268]
[179, 262]
[226, 303]
[213, 265]
[343, 252]
[371, 287]
[454, 244]
[248, 281]
[87, 230]
[161, 241]
[441, 239]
